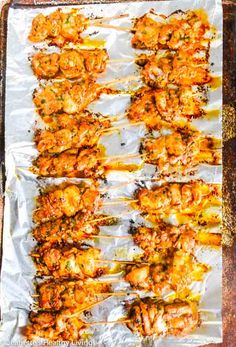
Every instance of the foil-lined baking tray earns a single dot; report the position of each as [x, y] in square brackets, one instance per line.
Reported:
[22, 186]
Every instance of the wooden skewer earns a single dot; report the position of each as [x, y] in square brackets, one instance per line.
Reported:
[211, 322]
[121, 60]
[102, 218]
[114, 27]
[102, 294]
[129, 262]
[110, 236]
[118, 293]
[125, 321]
[121, 156]
[86, 308]
[111, 203]
[101, 281]
[131, 155]
[121, 80]
[108, 189]
[112, 118]
[106, 84]
[112, 129]
[35, 255]
[120, 321]
[103, 19]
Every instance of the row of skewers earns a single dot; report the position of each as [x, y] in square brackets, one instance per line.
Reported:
[78, 136]
[67, 216]
[171, 101]
[63, 256]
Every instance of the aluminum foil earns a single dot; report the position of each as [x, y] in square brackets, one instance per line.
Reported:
[22, 186]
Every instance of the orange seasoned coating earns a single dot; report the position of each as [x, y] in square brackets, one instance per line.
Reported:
[158, 107]
[147, 317]
[185, 198]
[65, 202]
[68, 261]
[85, 132]
[175, 272]
[58, 27]
[65, 229]
[79, 64]
[181, 150]
[166, 239]
[85, 163]
[178, 152]
[181, 68]
[62, 326]
[57, 295]
[181, 30]
[150, 317]
[58, 121]
[67, 97]
[71, 229]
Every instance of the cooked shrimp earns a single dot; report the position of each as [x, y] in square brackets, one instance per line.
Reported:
[70, 64]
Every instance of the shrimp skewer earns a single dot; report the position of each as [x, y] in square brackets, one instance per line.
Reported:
[181, 68]
[67, 229]
[59, 28]
[164, 107]
[82, 132]
[72, 97]
[166, 239]
[82, 227]
[174, 153]
[183, 198]
[57, 295]
[71, 262]
[147, 317]
[70, 64]
[182, 30]
[65, 97]
[66, 201]
[172, 272]
[180, 151]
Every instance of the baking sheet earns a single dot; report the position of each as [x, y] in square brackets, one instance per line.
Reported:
[22, 186]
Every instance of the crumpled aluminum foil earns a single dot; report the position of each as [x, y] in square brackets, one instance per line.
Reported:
[22, 186]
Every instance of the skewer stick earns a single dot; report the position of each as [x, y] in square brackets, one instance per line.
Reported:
[114, 27]
[129, 262]
[211, 322]
[111, 203]
[120, 60]
[124, 156]
[118, 294]
[110, 237]
[112, 118]
[112, 129]
[86, 308]
[121, 80]
[102, 294]
[103, 19]
[120, 321]
[35, 255]
[125, 321]
[108, 189]
[105, 218]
